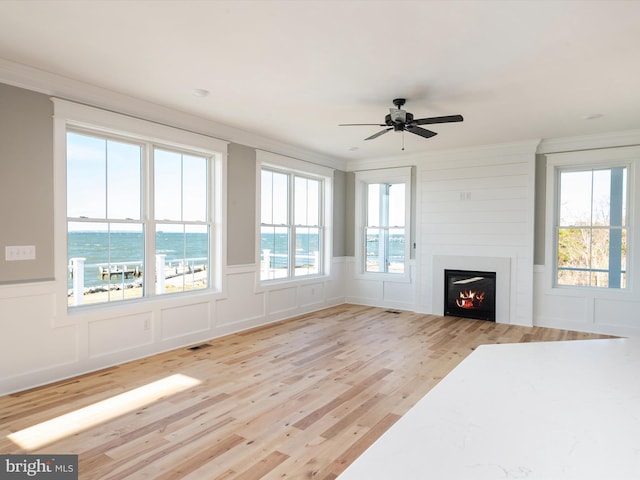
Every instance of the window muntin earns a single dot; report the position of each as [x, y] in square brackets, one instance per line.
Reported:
[385, 228]
[291, 229]
[591, 230]
[108, 231]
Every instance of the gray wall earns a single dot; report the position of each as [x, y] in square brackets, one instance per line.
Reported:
[349, 207]
[540, 207]
[339, 192]
[241, 205]
[26, 182]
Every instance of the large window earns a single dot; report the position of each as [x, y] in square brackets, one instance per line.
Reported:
[591, 235]
[141, 214]
[382, 207]
[592, 231]
[293, 230]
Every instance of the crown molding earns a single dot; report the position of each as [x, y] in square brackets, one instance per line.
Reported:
[526, 147]
[590, 142]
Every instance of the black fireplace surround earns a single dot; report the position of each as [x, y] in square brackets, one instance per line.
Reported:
[470, 294]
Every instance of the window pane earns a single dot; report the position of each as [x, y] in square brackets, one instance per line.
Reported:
[123, 180]
[274, 198]
[113, 260]
[573, 247]
[573, 277]
[301, 201]
[313, 203]
[374, 252]
[601, 207]
[167, 185]
[280, 199]
[195, 188]
[86, 176]
[575, 195]
[307, 201]
[600, 279]
[600, 248]
[396, 250]
[624, 197]
[307, 254]
[181, 257]
[623, 245]
[266, 198]
[396, 205]
[373, 205]
[274, 252]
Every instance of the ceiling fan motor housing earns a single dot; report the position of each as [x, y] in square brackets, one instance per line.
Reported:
[398, 119]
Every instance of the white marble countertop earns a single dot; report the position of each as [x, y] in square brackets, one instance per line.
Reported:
[553, 410]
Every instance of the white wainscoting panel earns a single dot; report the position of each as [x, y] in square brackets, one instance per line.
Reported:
[282, 300]
[31, 346]
[380, 293]
[184, 320]
[241, 302]
[311, 294]
[118, 334]
[585, 310]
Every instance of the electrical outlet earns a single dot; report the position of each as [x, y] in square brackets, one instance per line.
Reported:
[19, 252]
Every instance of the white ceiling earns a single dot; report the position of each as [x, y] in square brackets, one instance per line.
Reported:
[293, 70]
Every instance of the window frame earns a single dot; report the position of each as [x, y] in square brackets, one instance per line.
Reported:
[295, 168]
[70, 116]
[578, 161]
[397, 175]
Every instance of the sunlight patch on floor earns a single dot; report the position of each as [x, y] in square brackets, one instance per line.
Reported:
[50, 431]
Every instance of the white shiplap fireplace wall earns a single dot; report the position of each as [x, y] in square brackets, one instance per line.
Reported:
[476, 208]
[474, 204]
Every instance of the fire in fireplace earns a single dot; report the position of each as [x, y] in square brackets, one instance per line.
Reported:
[470, 294]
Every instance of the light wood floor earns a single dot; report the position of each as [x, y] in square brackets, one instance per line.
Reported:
[297, 399]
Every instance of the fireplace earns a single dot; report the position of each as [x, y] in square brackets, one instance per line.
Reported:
[470, 294]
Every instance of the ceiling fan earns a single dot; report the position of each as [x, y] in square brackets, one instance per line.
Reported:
[400, 120]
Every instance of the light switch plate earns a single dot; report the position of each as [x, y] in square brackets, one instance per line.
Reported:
[19, 252]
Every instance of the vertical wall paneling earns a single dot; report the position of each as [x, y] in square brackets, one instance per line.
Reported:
[477, 205]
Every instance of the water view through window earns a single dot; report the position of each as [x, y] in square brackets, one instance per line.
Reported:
[114, 229]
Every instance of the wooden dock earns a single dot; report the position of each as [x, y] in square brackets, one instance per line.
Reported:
[127, 272]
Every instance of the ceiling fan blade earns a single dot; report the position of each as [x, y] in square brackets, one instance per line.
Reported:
[362, 124]
[432, 120]
[423, 132]
[381, 132]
